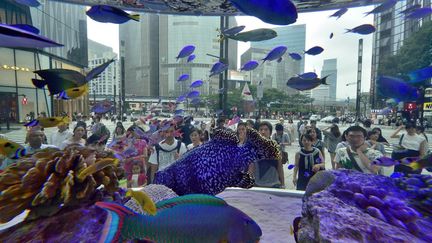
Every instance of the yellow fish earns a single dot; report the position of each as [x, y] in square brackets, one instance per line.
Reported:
[144, 200]
[49, 121]
[11, 149]
[74, 93]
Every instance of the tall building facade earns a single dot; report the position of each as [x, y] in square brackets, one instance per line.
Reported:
[107, 84]
[392, 30]
[149, 51]
[327, 93]
[63, 23]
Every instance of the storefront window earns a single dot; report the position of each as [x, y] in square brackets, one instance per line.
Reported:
[29, 105]
[7, 67]
[26, 66]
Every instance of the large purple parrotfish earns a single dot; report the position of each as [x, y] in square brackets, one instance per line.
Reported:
[190, 218]
[218, 164]
[19, 36]
[393, 87]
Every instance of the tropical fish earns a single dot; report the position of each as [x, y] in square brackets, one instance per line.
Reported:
[304, 84]
[419, 13]
[331, 35]
[11, 149]
[279, 60]
[193, 94]
[295, 56]
[191, 58]
[74, 93]
[363, 29]
[183, 77]
[217, 164]
[218, 68]
[290, 167]
[109, 14]
[186, 51]
[14, 37]
[233, 31]
[410, 9]
[396, 88]
[213, 220]
[420, 75]
[48, 121]
[414, 162]
[181, 98]
[278, 12]
[309, 75]
[102, 107]
[27, 27]
[314, 50]
[196, 84]
[339, 13]
[144, 201]
[275, 54]
[30, 3]
[382, 7]
[95, 72]
[254, 35]
[249, 66]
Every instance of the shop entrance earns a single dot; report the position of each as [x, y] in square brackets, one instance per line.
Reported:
[8, 107]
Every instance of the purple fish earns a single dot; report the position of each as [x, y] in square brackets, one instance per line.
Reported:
[278, 12]
[181, 98]
[420, 75]
[30, 3]
[295, 56]
[193, 94]
[279, 60]
[331, 35]
[191, 58]
[249, 66]
[308, 76]
[110, 14]
[218, 68]
[186, 51]
[94, 73]
[383, 7]
[410, 9]
[364, 29]
[304, 84]
[196, 84]
[27, 27]
[15, 37]
[275, 54]
[290, 167]
[234, 30]
[419, 13]
[385, 161]
[339, 13]
[314, 50]
[183, 77]
[396, 88]
[102, 107]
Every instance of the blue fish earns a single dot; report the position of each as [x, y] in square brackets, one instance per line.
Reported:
[278, 12]
[314, 50]
[396, 88]
[363, 29]
[331, 35]
[295, 56]
[304, 84]
[308, 76]
[14, 37]
[419, 13]
[410, 9]
[191, 58]
[275, 54]
[290, 167]
[420, 75]
[186, 51]
[339, 13]
[383, 7]
[109, 14]
[233, 31]
[181, 98]
[94, 73]
[249, 66]
[183, 77]
[30, 3]
[196, 84]
[27, 27]
[193, 94]
[102, 107]
[218, 68]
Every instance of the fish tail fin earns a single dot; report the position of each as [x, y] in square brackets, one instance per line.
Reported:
[135, 17]
[39, 83]
[32, 123]
[324, 80]
[111, 231]
[347, 31]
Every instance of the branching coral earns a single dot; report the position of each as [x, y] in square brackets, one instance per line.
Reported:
[51, 180]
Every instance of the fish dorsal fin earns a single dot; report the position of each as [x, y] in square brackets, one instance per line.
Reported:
[225, 135]
[202, 199]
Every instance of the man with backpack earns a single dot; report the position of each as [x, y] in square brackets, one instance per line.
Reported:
[166, 152]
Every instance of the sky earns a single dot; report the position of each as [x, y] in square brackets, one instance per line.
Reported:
[318, 28]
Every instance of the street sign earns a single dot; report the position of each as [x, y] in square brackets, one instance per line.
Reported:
[427, 106]
[428, 93]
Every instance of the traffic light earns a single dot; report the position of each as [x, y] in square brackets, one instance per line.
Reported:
[410, 106]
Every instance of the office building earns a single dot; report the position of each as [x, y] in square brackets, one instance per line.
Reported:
[327, 92]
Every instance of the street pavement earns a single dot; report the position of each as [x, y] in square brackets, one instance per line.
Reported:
[18, 136]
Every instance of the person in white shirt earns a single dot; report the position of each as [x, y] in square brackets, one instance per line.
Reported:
[77, 138]
[195, 136]
[61, 135]
[165, 153]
